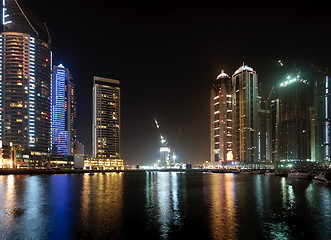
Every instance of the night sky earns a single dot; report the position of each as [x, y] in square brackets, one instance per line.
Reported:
[166, 55]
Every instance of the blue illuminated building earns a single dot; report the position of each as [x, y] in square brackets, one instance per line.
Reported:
[63, 112]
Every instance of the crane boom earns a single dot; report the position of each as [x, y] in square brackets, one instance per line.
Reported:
[270, 93]
[163, 141]
[282, 65]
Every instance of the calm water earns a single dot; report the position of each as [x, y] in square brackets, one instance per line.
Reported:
[163, 205]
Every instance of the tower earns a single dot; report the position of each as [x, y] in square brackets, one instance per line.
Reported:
[25, 79]
[63, 111]
[245, 114]
[322, 100]
[221, 119]
[294, 127]
[106, 118]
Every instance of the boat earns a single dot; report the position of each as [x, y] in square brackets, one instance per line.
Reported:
[321, 177]
[245, 172]
[299, 174]
[91, 173]
[324, 176]
[281, 173]
[270, 173]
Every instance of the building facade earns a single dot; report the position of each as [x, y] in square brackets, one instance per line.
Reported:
[221, 132]
[322, 101]
[106, 118]
[63, 111]
[273, 126]
[294, 126]
[263, 131]
[245, 115]
[25, 79]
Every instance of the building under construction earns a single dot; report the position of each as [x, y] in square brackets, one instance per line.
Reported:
[167, 153]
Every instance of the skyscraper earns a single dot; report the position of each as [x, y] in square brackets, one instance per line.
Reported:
[25, 79]
[322, 100]
[273, 125]
[106, 118]
[221, 119]
[63, 111]
[294, 127]
[245, 115]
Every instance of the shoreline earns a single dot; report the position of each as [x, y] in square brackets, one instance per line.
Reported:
[79, 171]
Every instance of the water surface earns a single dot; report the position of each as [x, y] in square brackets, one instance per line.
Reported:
[163, 205]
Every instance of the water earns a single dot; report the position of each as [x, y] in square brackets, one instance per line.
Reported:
[163, 205]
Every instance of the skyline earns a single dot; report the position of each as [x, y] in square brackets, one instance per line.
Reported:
[167, 56]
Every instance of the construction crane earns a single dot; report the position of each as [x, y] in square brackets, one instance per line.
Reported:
[166, 149]
[319, 70]
[174, 149]
[163, 141]
[297, 70]
[282, 65]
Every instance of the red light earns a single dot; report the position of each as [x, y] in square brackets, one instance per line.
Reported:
[46, 59]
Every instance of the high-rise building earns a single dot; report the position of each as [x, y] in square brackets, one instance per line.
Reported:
[221, 120]
[273, 126]
[25, 79]
[106, 118]
[263, 134]
[245, 115]
[322, 101]
[165, 156]
[63, 111]
[294, 126]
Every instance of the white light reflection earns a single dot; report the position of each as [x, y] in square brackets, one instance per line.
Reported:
[288, 195]
[164, 207]
[174, 192]
[35, 215]
[163, 201]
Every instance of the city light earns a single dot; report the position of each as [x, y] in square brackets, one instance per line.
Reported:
[293, 80]
[4, 14]
[32, 87]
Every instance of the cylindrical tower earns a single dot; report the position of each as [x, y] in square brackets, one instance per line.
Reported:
[25, 69]
[221, 119]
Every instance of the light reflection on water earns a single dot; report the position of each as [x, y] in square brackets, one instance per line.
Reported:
[223, 209]
[163, 205]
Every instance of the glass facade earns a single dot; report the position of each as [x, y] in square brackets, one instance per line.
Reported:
[63, 112]
[294, 128]
[245, 115]
[25, 69]
[322, 97]
[106, 118]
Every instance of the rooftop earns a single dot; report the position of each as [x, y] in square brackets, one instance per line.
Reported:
[243, 68]
[222, 75]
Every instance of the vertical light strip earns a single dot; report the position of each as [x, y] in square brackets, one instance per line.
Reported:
[51, 101]
[1, 64]
[32, 88]
[327, 121]
[4, 15]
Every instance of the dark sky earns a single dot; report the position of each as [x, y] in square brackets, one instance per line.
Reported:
[166, 55]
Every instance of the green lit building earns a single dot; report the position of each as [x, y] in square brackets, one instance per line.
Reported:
[294, 123]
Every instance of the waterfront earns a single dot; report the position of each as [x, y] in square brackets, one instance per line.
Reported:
[163, 205]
